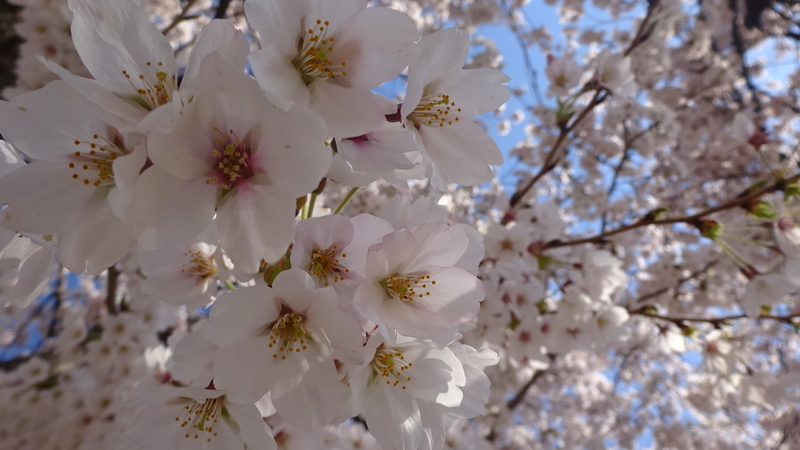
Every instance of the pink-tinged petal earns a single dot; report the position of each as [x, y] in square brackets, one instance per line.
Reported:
[254, 431]
[370, 231]
[96, 244]
[417, 73]
[120, 112]
[287, 374]
[169, 210]
[241, 314]
[444, 51]
[392, 417]
[179, 292]
[279, 79]
[33, 276]
[460, 153]
[400, 248]
[45, 123]
[126, 171]
[10, 158]
[192, 359]
[313, 403]
[413, 319]
[295, 289]
[221, 36]
[433, 368]
[43, 198]
[475, 252]
[475, 91]
[335, 328]
[335, 13]
[319, 232]
[277, 22]
[242, 369]
[255, 224]
[384, 150]
[164, 117]
[291, 150]
[153, 418]
[185, 151]
[435, 432]
[455, 297]
[116, 36]
[346, 111]
[437, 245]
[368, 299]
[377, 44]
[232, 100]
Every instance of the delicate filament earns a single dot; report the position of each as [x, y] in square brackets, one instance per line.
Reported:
[405, 287]
[389, 364]
[312, 58]
[287, 335]
[232, 162]
[325, 264]
[96, 160]
[203, 266]
[152, 94]
[202, 417]
[435, 110]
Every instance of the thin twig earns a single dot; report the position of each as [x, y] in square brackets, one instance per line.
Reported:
[741, 200]
[111, 290]
[180, 17]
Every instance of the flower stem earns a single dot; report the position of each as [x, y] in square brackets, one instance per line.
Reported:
[346, 199]
[311, 203]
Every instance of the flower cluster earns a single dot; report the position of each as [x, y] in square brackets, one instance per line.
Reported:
[201, 171]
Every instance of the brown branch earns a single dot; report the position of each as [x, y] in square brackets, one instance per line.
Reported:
[644, 221]
[111, 290]
[523, 391]
[548, 165]
[691, 276]
[716, 321]
[180, 17]
[642, 34]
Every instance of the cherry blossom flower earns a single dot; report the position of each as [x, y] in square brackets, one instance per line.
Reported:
[564, 74]
[613, 72]
[412, 287]
[272, 338]
[196, 418]
[133, 64]
[328, 55]
[79, 187]
[233, 154]
[440, 101]
[184, 274]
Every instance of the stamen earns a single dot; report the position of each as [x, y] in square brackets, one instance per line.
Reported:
[201, 418]
[312, 58]
[152, 93]
[435, 110]
[404, 287]
[389, 364]
[232, 161]
[97, 163]
[288, 336]
[325, 264]
[203, 266]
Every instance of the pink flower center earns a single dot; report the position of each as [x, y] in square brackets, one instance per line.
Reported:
[232, 161]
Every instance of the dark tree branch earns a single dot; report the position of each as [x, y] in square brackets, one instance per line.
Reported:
[222, 9]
